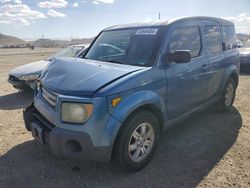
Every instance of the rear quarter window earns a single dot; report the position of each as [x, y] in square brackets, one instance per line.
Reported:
[229, 37]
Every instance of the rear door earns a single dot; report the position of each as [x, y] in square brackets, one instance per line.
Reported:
[216, 58]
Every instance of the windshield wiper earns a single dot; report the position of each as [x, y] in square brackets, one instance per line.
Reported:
[114, 61]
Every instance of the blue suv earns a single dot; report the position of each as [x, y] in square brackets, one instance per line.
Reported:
[134, 81]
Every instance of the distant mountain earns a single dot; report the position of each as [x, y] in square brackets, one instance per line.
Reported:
[82, 41]
[7, 41]
[48, 43]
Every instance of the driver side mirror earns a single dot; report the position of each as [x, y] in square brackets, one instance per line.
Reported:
[179, 56]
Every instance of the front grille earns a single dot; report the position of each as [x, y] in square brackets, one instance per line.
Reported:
[13, 78]
[49, 96]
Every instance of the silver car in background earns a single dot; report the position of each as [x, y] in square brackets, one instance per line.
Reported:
[25, 76]
[245, 58]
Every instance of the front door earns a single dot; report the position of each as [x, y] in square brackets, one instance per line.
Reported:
[186, 82]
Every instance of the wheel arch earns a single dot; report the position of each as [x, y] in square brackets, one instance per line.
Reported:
[229, 74]
[152, 108]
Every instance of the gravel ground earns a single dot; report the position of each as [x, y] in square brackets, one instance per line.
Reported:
[209, 150]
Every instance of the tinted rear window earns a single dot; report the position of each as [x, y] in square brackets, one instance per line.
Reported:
[228, 36]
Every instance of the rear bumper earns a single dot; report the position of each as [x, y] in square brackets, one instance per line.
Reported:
[64, 143]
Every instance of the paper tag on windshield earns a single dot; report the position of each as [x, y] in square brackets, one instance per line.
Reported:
[149, 31]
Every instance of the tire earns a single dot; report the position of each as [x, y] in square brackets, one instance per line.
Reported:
[141, 122]
[227, 98]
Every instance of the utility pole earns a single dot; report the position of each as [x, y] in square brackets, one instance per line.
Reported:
[159, 15]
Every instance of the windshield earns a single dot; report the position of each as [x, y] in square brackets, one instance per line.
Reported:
[247, 44]
[126, 46]
[70, 51]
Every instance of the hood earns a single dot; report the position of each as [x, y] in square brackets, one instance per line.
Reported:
[82, 77]
[31, 68]
[244, 51]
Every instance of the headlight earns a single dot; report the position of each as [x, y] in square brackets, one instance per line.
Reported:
[30, 77]
[76, 112]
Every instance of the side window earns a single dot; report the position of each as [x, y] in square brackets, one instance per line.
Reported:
[229, 37]
[213, 39]
[186, 39]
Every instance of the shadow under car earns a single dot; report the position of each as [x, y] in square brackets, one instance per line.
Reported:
[186, 154]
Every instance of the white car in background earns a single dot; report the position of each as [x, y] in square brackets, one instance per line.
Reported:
[25, 76]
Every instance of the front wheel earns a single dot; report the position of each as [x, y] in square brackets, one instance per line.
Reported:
[228, 95]
[137, 141]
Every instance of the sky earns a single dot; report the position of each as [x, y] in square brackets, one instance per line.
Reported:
[65, 19]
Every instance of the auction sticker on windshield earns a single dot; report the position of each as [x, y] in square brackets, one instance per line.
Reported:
[149, 31]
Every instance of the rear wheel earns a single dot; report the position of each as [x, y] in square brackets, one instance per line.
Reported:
[137, 141]
[228, 95]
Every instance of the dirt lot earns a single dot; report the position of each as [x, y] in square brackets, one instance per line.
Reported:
[209, 150]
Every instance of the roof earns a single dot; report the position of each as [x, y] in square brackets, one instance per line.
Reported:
[140, 24]
[168, 22]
